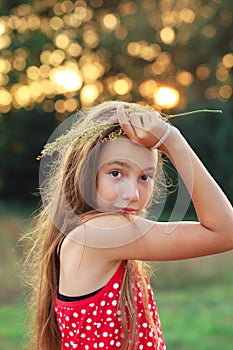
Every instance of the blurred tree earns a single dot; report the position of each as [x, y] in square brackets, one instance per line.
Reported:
[57, 56]
[22, 137]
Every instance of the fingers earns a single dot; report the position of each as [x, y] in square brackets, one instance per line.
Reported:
[147, 119]
[135, 120]
[146, 128]
[138, 122]
[124, 122]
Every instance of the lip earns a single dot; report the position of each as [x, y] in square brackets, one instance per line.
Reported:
[128, 210]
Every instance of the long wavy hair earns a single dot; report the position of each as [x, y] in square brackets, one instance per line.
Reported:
[69, 194]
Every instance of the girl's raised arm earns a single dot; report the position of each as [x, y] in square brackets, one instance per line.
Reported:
[214, 231]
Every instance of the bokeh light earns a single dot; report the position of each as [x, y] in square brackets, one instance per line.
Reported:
[89, 94]
[66, 78]
[166, 97]
[61, 51]
[184, 78]
[167, 35]
[122, 86]
[110, 21]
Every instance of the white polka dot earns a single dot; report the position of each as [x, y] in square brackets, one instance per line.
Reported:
[105, 334]
[89, 320]
[95, 345]
[83, 335]
[116, 285]
[67, 345]
[92, 304]
[140, 334]
[140, 346]
[118, 344]
[101, 344]
[88, 328]
[108, 312]
[144, 325]
[149, 343]
[83, 311]
[71, 334]
[112, 324]
[75, 314]
[102, 303]
[110, 294]
[112, 342]
[114, 303]
[74, 325]
[86, 347]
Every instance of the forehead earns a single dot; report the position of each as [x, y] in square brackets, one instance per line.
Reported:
[123, 149]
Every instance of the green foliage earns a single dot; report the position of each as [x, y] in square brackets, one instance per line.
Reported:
[199, 318]
[12, 325]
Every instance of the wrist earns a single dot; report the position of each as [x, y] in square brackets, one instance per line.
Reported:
[172, 140]
[163, 138]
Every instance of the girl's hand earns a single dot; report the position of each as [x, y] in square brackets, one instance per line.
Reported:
[146, 128]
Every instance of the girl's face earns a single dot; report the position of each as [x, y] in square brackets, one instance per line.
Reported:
[125, 176]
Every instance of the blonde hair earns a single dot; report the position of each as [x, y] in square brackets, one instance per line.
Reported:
[66, 199]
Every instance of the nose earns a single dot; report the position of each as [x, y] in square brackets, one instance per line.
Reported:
[130, 190]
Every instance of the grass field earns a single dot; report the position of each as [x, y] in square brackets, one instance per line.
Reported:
[12, 327]
[200, 318]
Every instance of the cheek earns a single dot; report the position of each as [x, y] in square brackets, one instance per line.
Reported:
[106, 187]
[146, 192]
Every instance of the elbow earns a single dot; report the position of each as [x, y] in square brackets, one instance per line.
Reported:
[227, 235]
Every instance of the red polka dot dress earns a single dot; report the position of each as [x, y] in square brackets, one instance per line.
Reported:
[95, 322]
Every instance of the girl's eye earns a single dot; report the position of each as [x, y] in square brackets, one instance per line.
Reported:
[116, 174]
[146, 177]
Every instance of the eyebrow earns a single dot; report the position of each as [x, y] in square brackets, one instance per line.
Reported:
[126, 165]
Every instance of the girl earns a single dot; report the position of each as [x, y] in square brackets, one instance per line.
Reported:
[90, 286]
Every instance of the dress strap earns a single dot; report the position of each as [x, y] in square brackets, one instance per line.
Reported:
[59, 246]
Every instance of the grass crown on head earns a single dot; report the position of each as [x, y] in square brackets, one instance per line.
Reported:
[85, 129]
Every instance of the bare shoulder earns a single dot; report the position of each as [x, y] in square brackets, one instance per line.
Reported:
[102, 231]
[108, 220]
